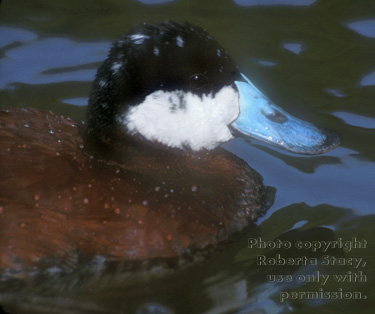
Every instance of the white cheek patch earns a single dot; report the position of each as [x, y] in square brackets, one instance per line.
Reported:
[179, 119]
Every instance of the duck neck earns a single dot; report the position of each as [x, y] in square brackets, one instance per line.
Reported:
[126, 149]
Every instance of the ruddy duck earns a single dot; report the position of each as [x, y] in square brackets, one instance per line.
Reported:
[145, 177]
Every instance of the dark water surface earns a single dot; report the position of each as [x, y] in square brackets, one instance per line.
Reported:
[316, 59]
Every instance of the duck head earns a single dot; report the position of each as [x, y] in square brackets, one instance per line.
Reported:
[173, 84]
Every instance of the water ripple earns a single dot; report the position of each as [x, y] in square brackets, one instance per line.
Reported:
[49, 60]
[363, 27]
[368, 79]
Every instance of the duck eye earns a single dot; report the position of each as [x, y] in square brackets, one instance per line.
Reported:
[198, 78]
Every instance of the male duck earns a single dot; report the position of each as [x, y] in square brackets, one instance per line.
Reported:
[144, 178]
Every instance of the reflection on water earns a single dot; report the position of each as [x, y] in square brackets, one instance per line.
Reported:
[335, 92]
[265, 63]
[356, 120]
[83, 101]
[368, 79]
[155, 1]
[10, 35]
[29, 63]
[363, 27]
[328, 185]
[304, 57]
[248, 3]
[296, 48]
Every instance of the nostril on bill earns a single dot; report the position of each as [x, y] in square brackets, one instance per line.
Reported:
[276, 116]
